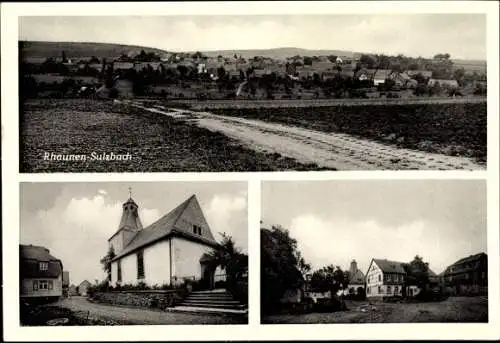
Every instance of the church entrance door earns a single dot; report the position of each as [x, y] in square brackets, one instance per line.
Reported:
[207, 276]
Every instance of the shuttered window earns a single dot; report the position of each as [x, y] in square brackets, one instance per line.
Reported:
[35, 285]
[140, 265]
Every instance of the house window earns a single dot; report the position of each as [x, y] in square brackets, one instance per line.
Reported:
[368, 290]
[379, 290]
[140, 265]
[35, 285]
[119, 270]
[368, 279]
[388, 289]
[44, 265]
[43, 284]
[51, 284]
[388, 277]
[380, 278]
[395, 289]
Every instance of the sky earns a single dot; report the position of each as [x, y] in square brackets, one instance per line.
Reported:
[463, 36]
[335, 222]
[75, 220]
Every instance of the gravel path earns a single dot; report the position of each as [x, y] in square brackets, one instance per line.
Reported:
[328, 150]
[455, 309]
[131, 316]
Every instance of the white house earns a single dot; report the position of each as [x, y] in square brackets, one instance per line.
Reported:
[384, 279]
[168, 251]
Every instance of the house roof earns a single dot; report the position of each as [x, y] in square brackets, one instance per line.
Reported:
[170, 224]
[84, 282]
[390, 266]
[382, 74]
[31, 255]
[470, 258]
[357, 278]
[425, 73]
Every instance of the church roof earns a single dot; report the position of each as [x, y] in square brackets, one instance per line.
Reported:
[357, 278]
[173, 223]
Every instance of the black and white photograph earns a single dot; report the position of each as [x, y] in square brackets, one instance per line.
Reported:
[374, 251]
[245, 93]
[150, 253]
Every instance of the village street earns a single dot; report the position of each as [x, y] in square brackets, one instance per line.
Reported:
[455, 309]
[327, 150]
[137, 316]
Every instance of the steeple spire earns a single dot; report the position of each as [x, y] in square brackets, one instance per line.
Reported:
[130, 192]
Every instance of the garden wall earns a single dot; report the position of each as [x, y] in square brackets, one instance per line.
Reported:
[160, 299]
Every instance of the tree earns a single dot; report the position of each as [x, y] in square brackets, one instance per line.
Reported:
[308, 60]
[417, 273]
[279, 266]
[106, 262]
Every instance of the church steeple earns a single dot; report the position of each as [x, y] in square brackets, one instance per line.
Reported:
[130, 225]
[130, 216]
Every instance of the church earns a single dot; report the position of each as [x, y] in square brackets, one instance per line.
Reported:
[167, 252]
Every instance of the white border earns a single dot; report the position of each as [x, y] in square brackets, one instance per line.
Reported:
[11, 179]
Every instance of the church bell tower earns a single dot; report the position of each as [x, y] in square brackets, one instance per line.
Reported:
[130, 225]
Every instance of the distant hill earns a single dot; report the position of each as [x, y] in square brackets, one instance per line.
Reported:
[78, 49]
[279, 53]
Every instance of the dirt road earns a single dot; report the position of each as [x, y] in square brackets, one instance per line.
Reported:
[127, 315]
[328, 150]
[455, 309]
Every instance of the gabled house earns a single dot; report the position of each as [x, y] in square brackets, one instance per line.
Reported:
[384, 278]
[443, 83]
[40, 273]
[168, 251]
[380, 76]
[83, 288]
[468, 275]
[425, 73]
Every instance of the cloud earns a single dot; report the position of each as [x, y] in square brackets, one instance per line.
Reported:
[337, 241]
[76, 230]
[227, 213]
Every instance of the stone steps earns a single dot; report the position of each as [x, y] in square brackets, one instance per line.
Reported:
[214, 301]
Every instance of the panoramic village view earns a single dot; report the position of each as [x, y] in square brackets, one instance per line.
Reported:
[335, 252]
[161, 103]
[90, 255]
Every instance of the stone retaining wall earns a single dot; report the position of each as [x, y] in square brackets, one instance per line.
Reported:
[158, 299]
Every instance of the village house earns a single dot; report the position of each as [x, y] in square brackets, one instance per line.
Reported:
[72, 290]
[384, 278]
[425, 73]
[468, 275]
[169, 251]
[380, 76]
[443, 83]
[83, 288]
[322, 66]
[40, 274]
[123, 65]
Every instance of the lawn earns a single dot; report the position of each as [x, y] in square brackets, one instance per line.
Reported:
[454, 129]
[455, 309]
[157, 143]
